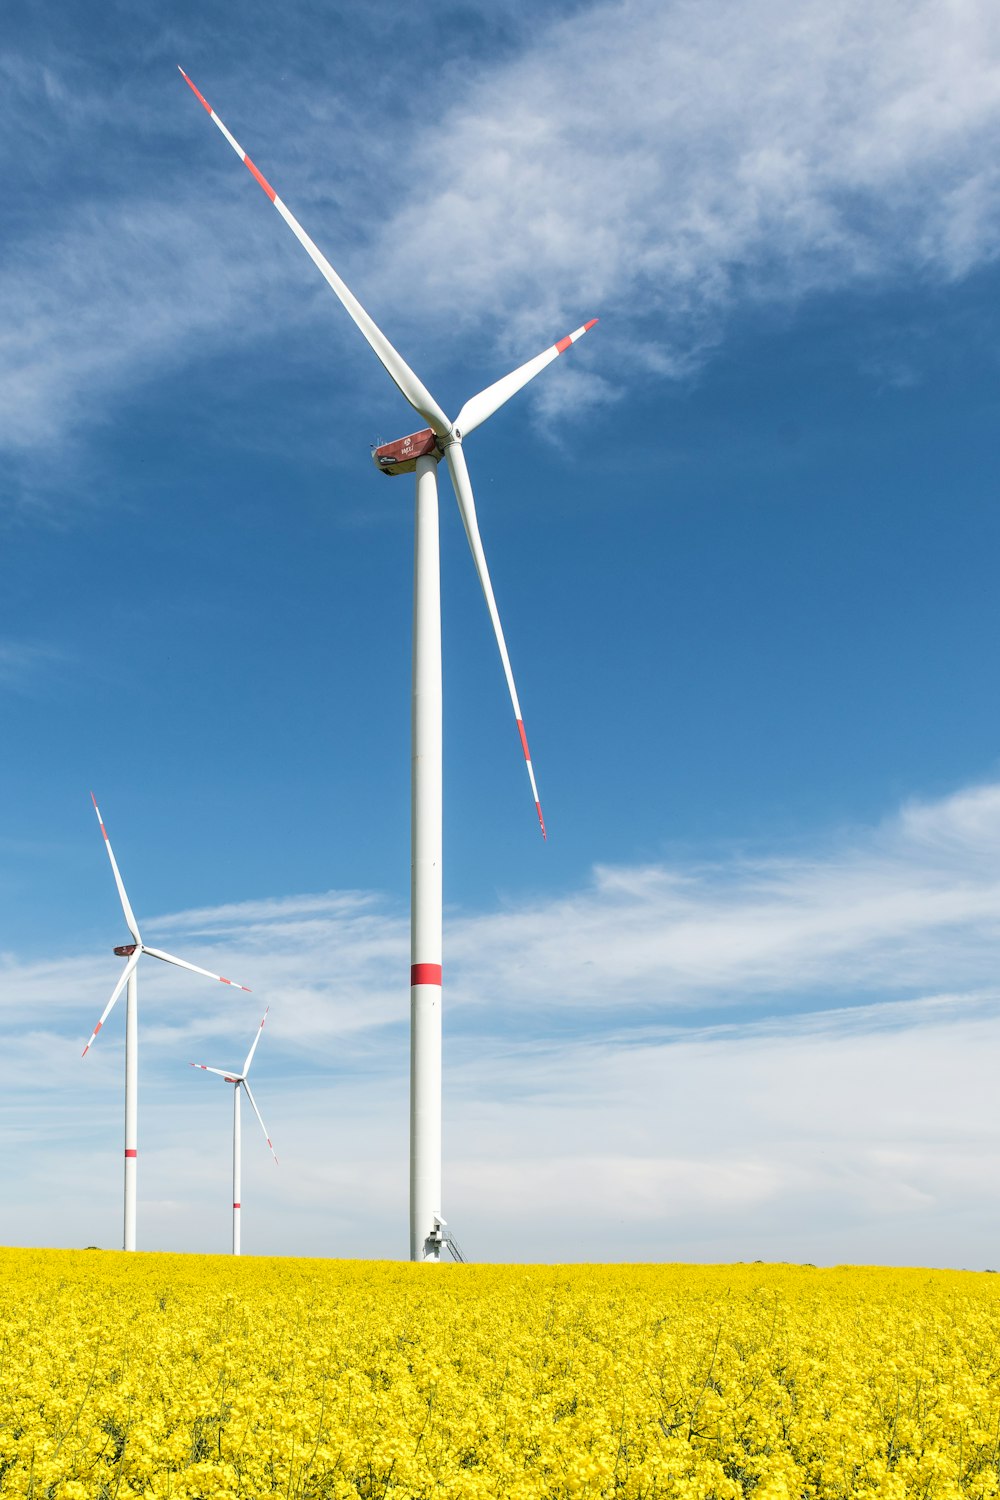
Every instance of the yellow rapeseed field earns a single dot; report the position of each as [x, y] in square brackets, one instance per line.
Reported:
[196, 1376]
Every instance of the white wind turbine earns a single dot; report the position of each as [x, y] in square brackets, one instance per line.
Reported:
[240, 1080]
[420, 453]
[132, 952]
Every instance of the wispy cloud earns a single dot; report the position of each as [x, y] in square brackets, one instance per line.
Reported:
[784, 1055]
[662, 164]
[116, 270]
[659, 165]
[112, 295]
[906, 909]
[824, 1143]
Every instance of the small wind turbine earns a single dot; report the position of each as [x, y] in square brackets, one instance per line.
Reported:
[132, 952]
[240, 1081]
[419, 454]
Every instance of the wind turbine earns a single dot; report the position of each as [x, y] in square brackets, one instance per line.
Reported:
[419, 453]
[128, 979]
[240, 1080]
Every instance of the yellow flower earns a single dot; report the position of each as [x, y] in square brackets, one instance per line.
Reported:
[173, 1376]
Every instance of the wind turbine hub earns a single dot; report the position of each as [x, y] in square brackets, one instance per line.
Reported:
[126, 950]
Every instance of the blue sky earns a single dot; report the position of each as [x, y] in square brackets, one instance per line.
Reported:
[743, 538]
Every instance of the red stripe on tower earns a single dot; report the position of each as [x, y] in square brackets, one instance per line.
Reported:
[269, 190]
[425, 974]
[236, 1205]
[130, 1152]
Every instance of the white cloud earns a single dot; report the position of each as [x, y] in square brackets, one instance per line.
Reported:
[787, 1057]
[819, 1144]
[662, 163]
[115, 293]
[902, 910]
[655, 164]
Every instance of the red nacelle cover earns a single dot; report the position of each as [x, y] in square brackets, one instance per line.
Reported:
[401, 456]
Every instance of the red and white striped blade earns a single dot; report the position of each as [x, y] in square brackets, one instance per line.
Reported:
[262, 1125]
[122, 981]
[412, 388]
[132, 924]
[182, 963]
[229, 1077]
[253, 1049]
[467, 506]
[478, 408]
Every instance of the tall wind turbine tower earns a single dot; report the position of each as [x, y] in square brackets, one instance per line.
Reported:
[419, 454]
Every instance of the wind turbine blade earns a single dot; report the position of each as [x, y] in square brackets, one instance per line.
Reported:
[467, 507]
[132, 924]
[411, 387]
[253, 1049]
[263, 1127]
[122, 981]
[478, 408]
[168, 958]
[229, 1077]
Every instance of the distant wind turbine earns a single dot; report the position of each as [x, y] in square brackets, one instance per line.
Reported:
[132, 952]
[419, 454]
[240, 1081]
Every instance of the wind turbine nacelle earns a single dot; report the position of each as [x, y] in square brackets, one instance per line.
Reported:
[401, 456]
[126, 950]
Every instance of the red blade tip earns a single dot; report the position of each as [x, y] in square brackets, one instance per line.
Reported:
[193, 89]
